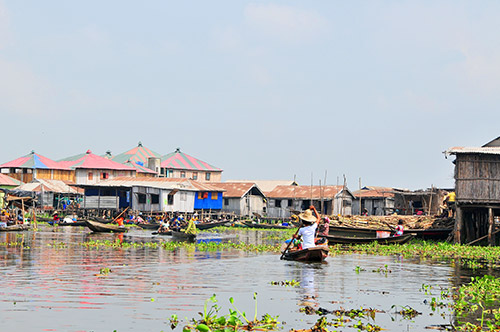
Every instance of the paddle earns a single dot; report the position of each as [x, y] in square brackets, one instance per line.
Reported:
[118, 216]
[290, 243]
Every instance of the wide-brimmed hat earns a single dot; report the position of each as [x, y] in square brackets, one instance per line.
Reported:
[307, 216]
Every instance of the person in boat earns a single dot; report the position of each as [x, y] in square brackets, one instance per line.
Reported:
[3, 219]
[191, 227]
[119, 221]
[55, 218]
[399, 228]
[164, 226]
[308, 231]
[324, 227]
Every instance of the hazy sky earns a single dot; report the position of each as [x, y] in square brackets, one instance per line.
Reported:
[261, 89]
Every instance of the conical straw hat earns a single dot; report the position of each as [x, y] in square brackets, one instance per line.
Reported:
[307, 216]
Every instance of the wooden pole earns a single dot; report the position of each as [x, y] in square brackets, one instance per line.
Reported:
[491, 225]
[360, 212]
[22, 206]
[458, 225]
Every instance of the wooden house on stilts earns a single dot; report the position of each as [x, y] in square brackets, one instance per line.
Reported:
[477, 187]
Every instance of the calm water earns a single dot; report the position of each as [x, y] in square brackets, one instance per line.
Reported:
[57, 288]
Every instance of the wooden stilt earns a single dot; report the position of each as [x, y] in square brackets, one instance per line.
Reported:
[458, 225]
[491, 238]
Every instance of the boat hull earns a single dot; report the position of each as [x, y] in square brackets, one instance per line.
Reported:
[100, 227]
[360, 240]
[15, 228]
[181, 236]
[314, 254]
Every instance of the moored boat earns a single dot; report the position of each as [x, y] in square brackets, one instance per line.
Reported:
[15, 228]
[182, 236]
[149, 226]
[423, 233]
[313, 254]
[208, 225]
[96, 226]
[360, 240]
[266, 226]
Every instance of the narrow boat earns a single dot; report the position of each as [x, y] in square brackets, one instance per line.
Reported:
[314, 254]
[208, 225]
[266, 226]
[359, 240]
[162, 233]
[14, 228]
[76, 223]
[100, 227]
[181, 236]
[150, 226]
[424, 233]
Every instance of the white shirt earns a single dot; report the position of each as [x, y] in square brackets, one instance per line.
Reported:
[308, 234]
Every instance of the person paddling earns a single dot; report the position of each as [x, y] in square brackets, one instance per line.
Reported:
[308, 231]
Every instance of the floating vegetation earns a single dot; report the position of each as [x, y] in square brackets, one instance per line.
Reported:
[384, 270]
[103, 272]
[406, 312]
[480, 296]
[234, 321]
[292, 283]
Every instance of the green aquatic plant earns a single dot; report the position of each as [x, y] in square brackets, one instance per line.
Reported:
[234, 321]
[359, 269]
[293, 283]
[384, 270]
[481, 296]
[406, 311]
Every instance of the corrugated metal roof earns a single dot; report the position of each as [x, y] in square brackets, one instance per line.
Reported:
[93, 161]
[162, 183]
[6, 180]
[473, 150]
[139, 154]
[55, 186]
[180, 160]
[375, 192]
[305, 192]
[34, 161]
[267, 185]
[234, 189]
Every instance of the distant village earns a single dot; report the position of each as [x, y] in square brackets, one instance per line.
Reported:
[146, 181]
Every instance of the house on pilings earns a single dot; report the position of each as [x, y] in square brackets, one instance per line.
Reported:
[477, 188]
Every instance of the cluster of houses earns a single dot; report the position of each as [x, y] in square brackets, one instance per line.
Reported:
[146, 181]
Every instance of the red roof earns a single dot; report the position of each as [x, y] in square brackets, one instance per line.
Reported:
[305, 192]
[93, 161]
[6, 180]
[234, 189]
[180, 160]
[34, 161]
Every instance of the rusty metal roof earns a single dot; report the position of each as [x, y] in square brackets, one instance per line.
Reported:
[306, 192]
[236, 189]
[374, 192]
[267, 185]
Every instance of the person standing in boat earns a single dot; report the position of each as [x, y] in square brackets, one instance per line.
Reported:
[308, 232]
[324, 227]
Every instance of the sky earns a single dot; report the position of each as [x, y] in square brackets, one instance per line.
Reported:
[265, 90]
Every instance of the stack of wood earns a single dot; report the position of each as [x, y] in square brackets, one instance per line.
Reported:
[390, 222]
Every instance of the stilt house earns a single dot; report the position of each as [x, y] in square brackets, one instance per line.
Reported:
[181, 165]
[242, 198]
[477, 187]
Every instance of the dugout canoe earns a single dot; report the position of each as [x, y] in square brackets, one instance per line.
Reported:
[181, 236]
[14, 228]
[154, 226]
[314, 254]
[423, 233]
[360, 240]
[208, 225]
[266, 226]
[99, 227]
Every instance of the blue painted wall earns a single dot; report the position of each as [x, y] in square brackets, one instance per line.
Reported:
[208, 203]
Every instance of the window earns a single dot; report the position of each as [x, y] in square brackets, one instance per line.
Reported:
[207, 176]
[183, 196]
[90, 176]
[226, 201]
[155, 199]
[195, 175]
[289, 202]
[141, 198]
[215, 196]
[104, 176]
[162, 171]
[183, 174]
[170, 199]
[200, 195]
[277, 203]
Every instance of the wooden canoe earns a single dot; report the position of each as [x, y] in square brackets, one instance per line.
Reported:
[76, 223]
[149, 226]
[266, 226]
[100, 227]
[424, 233]
[314, 254]
[181, 236]
[208, 225]
[360, 240]
[15, 228]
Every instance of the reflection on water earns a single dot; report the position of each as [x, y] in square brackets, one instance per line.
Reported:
[58, 283]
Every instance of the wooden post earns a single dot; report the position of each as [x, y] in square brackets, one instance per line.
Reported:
[430, 200]
[360, 212]
[491, 224]
[22, 206]
[458, 225]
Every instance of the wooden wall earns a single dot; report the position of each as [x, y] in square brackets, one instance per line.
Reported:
[477, 178]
